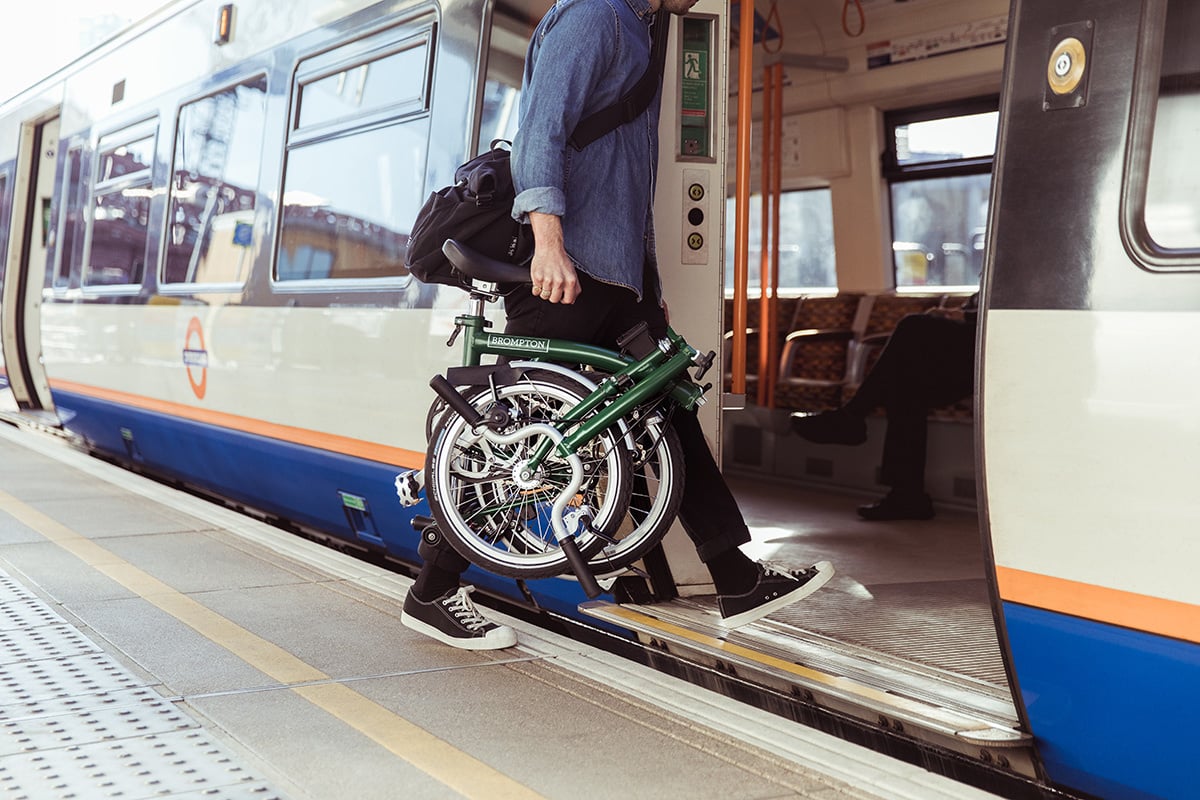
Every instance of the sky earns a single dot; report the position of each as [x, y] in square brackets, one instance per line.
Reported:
[42, 35]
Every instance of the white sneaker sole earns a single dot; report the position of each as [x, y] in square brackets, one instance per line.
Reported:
[824, 573]
[497, 639]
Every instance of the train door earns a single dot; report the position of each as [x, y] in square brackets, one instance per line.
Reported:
[30, 239]
[1090, 389]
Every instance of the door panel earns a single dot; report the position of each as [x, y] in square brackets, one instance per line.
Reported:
[30, 241]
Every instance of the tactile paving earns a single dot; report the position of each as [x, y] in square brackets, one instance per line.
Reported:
[38, 680]
[44, 642]
[23, 613]
[25, 734]
[78, 704]
[76, 725]
[164, 765]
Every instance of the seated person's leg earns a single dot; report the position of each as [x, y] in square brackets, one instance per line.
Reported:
[926, 359]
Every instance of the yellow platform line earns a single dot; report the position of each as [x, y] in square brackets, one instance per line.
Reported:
[432, 755]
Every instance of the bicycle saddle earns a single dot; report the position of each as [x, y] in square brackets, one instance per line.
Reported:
[477, 266]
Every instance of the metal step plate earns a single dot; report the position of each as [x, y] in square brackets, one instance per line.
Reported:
[826, 675]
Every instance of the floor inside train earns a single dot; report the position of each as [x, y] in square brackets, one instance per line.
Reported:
[909, 590]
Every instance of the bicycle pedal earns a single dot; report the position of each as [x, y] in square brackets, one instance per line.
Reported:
[594, 531]
[409, 485]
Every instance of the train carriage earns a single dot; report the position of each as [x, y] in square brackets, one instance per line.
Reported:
[203, 225]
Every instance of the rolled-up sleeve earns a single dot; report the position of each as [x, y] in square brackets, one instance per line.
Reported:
[570, 55]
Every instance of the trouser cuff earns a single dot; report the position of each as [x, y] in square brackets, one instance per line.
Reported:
[437, 552]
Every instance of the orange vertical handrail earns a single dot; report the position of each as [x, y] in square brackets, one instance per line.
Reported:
[771, 376]
[766, 330]
[741, 249]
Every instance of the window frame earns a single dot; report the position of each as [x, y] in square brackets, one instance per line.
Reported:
[895, 173]
[364, 53]
[129, 132]
[5, 217]
[73, 189]
[755, 255]
[1143, 106]
[190, 287]
[420, 30]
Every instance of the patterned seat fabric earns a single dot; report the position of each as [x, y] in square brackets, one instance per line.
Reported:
[815, 354]
[822, 355]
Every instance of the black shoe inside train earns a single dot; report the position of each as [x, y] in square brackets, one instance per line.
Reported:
[898, 505]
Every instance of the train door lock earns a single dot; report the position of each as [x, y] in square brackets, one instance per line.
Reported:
[696, 227]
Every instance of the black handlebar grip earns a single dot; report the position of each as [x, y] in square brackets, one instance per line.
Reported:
[456, 401]
[580, 567]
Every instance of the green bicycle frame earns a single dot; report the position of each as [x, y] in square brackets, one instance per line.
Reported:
[645, 377]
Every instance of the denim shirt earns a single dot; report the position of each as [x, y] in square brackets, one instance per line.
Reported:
[583, 56]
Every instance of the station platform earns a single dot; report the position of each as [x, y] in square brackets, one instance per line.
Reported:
[153, 644]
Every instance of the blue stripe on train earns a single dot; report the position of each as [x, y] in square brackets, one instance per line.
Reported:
[1114, 710]
[295, 483]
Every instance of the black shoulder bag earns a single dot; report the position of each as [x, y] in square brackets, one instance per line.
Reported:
[477, 209]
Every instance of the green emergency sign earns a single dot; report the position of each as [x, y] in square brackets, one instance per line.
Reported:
[695, 118]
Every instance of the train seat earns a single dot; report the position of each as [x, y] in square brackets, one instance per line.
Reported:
[815, 357]
[787, 311]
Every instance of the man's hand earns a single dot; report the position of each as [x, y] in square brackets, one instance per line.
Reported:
[551, 270]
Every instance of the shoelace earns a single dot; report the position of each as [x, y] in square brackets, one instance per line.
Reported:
[464, 610]
[774, 568]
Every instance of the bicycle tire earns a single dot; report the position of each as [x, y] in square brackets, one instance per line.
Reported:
[656, 495]
[485, 512]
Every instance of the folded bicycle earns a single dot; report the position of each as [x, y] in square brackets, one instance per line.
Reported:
[560, 457]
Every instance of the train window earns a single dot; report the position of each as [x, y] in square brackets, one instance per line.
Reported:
[353, 183]
[499, 120]
[806, 255]
[391, 81]
[502, 82]
[938, 165]
[70, 242]
[126, 158]
[121, 208]
[214, 186]
[1165, 190]
[4, 215]
[938, 227]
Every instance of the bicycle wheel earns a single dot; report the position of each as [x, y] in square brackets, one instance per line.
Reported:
[657, 491]
[500, 520]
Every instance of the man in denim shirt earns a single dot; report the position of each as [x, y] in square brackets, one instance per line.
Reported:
[595, 276]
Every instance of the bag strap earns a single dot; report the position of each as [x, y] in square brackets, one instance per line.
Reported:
[636, 100]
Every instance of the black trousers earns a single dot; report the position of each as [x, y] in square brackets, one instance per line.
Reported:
[928, 362]
[602, 313]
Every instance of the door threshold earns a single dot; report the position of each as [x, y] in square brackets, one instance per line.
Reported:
[963, 715]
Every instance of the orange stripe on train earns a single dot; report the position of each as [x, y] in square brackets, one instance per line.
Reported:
[1129, 610]
[359, 448]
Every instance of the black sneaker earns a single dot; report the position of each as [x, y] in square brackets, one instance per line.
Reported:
[453, 619]
[898, 505]
[776, 588]
[830, 427]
